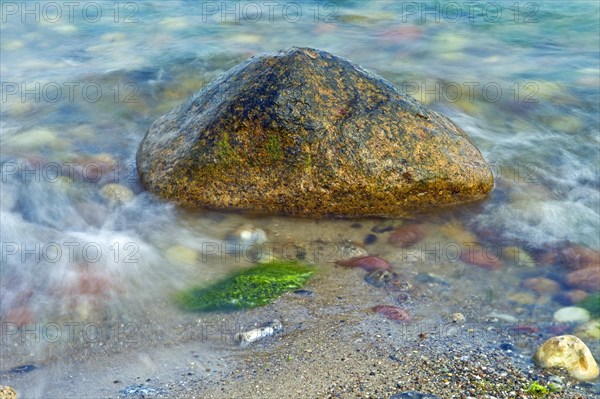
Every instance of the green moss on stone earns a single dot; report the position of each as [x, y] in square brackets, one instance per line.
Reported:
[225, 152]
[274, 148]
[537, 390]
[592, 304]
[248, 288]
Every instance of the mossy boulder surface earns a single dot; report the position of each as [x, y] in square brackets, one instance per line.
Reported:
[248, 288]
[304, 132]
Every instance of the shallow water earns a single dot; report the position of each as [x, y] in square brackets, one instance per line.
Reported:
[79, 91]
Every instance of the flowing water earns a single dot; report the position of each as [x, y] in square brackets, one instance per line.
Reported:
[82, 83]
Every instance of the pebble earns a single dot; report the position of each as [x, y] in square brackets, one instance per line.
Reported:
[403, 298]
[7, 392]
[541, 285]
[367, 263]
[481, 258]
[587, 278]
[457, 318]
[26, 368]
[181, 255]
[379, 277]
[502, 316]
[248, 337]
[116, 194]
[577, 257]
[571, 297]
[518, 256]
[392, 312]
[413, 395]
[456, 231]
[350, 250]
[523, 298]
[569, 352]
[571, 314]
[384, 227]
[589, 330]
[246, 235]
[407, 235]
[303, 292]
[35, 139]
[370, 239]
[555, 383]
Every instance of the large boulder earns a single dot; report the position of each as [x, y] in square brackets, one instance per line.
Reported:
[304, 132]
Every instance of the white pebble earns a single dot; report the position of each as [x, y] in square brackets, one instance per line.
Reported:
[571, 314]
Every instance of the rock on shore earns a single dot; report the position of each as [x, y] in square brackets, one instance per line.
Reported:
[304, 132]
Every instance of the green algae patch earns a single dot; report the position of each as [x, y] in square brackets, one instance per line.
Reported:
[248, 288]
[537, 390]
[591, 304]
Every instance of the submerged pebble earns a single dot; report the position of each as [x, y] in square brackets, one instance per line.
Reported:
[303, 292]
[481, 258]
[268, 330]
[587, 279]
[407, 235]
[370, 239]
[180, 254]
[523, 298]
[457, 318]
[349, 249]
[541, 285]
[502, 316]
[246, 235]
[367, 263]
[518, 256]
[589, 330]
[576, 257]
[571, 314]
[570, 297]
[392, 312]
[431, 278]
[403, 297]
[379, 277]
[569, 352]
[413, 395]
[26, 368]
[384, 227]
[116, 194]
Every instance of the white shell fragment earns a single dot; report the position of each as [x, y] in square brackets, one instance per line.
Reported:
[247, 337]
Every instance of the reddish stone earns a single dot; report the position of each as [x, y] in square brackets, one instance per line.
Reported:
[541, 285]
[578, 257]
[587, 278]
[367, 263]
[571, 297]
[482, 258]
[392, 312]
[547, 258]
[526, 329]
[408, 234]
